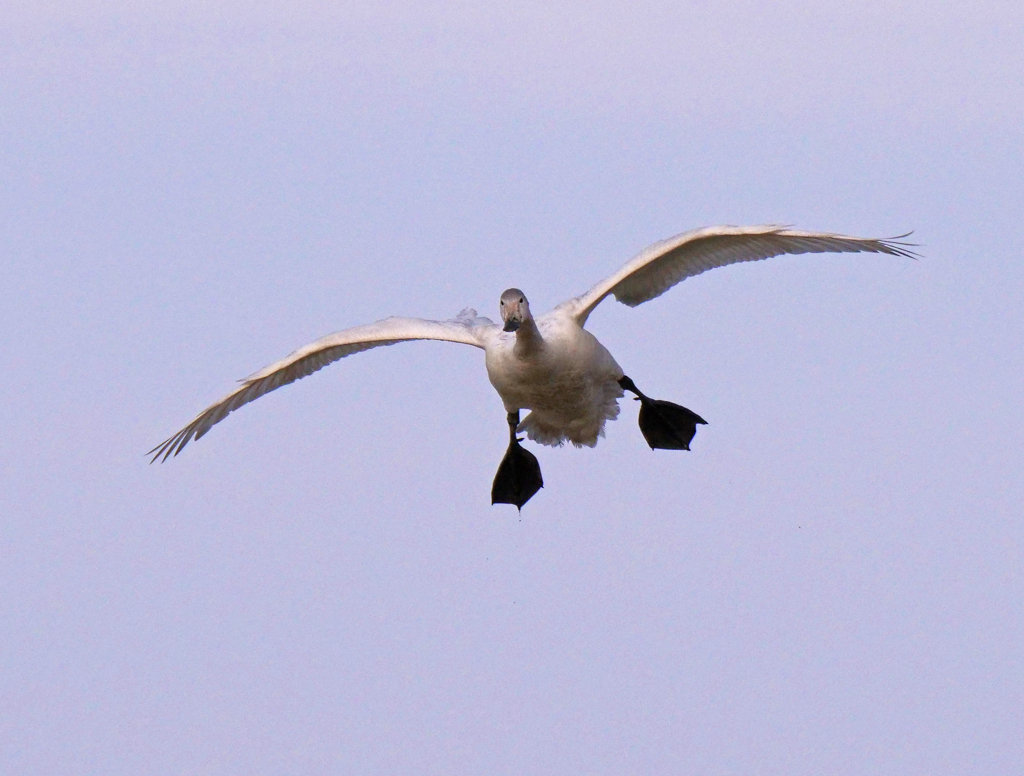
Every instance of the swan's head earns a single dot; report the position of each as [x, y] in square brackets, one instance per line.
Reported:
[514, 309]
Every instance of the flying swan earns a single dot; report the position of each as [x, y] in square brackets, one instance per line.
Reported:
[551, 365]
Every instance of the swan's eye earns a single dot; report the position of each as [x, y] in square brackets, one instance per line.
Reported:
[521, 300]
[502, 302]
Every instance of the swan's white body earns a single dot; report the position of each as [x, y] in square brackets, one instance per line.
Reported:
[561, 373]
[551, 365]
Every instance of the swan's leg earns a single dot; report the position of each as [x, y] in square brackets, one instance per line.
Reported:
[518, 477]
[665, 426]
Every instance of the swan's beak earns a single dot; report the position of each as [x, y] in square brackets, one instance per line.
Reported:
[511, 325]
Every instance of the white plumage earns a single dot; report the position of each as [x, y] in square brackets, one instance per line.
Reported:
[550, 365]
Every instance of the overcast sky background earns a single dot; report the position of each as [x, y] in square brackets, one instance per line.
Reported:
[830, 582]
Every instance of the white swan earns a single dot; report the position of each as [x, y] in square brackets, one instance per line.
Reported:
[551, 365]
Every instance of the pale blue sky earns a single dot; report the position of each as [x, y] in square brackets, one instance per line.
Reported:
[830, 582]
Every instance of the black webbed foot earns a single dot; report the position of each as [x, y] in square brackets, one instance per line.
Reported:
[665, 426]
[518, 477]
[668, 426]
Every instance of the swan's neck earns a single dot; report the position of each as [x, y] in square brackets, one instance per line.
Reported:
[528, 339]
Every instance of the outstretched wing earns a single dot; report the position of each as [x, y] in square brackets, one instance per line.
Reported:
[660, 266]
[467, 328]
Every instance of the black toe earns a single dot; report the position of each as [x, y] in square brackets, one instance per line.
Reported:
[518, 477]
